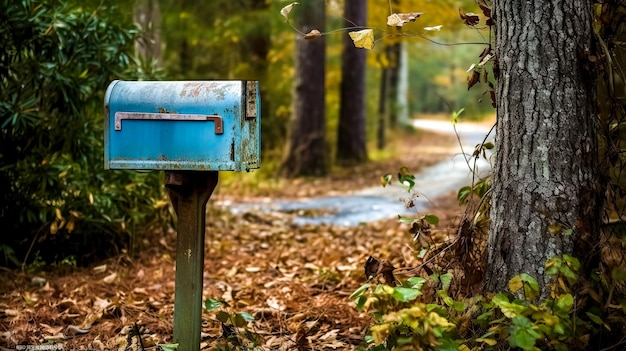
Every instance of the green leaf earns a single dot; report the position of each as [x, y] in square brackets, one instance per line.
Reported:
[359, 292]
[572, 261]
[522, 334]
[455, 115]
[488, 145]
[553, 265]
[463, 194]
[485, 316]
[446, 280]
[405, 294]
[408, 181]
[168, 347]
[568, 272]
[564, 303]
[432, 219]
[212, 304]
[531, 287]
[447, 344]
[597, 320]
[416, 282]
[406, 220]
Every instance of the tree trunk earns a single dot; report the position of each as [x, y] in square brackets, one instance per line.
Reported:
[545, 181]
[393, 75]
[403, 115]
[351, 139]
[381, 128]
[148, 15]
[306, 149]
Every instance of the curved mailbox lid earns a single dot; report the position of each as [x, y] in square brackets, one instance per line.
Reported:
[182, 125]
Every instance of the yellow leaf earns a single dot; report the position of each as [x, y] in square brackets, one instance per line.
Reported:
[54, 227]
[313, 34]
[287, 9]
[515, 283]
[70, 225]
[363, 38]
[400, 19]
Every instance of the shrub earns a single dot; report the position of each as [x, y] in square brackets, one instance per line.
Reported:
[56, 60]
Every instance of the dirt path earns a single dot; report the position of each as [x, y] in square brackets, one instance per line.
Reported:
[294, 280]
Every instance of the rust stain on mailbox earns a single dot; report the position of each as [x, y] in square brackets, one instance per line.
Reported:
[182, 125]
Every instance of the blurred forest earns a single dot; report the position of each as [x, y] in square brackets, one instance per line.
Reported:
[58, 57]
[250, 40]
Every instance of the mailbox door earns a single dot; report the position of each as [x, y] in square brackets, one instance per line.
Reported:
[193, 125]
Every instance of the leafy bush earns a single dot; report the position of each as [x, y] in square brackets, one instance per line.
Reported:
[56, 60]
[420, 315]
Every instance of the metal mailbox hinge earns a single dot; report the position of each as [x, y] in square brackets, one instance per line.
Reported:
[119, 116]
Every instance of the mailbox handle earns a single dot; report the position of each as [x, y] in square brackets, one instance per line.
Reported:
[119, 116]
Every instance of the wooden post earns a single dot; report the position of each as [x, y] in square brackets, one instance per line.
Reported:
[189, 192]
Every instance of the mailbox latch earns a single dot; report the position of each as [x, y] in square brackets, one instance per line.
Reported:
[119, 116]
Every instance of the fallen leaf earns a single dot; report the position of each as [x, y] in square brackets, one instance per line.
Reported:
[287, 9]
[273, 303]
[73, 330]
[30, 298]
[9, 313]
[100, 269]
[101, 304]
[109, 279]
[363, 38]
[400, 19]
[313, 34]
[38, 281]
[49, 329]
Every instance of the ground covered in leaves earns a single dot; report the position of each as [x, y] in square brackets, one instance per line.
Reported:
[294, 280]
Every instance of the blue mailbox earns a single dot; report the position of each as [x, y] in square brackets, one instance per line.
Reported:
[182, 125]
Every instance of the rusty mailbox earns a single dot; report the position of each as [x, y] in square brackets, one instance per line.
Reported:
[182, 125]
[192, 130]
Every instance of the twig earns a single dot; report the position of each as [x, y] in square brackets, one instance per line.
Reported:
[139, 336]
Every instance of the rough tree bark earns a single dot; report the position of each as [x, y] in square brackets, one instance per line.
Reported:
[546, 177]
[351, 138]
[306, 148]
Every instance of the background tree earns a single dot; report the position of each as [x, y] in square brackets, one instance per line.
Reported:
[351, 135]
[147, 14]
[545, 183]
[306, 147]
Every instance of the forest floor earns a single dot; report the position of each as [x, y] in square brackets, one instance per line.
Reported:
[294, 280]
